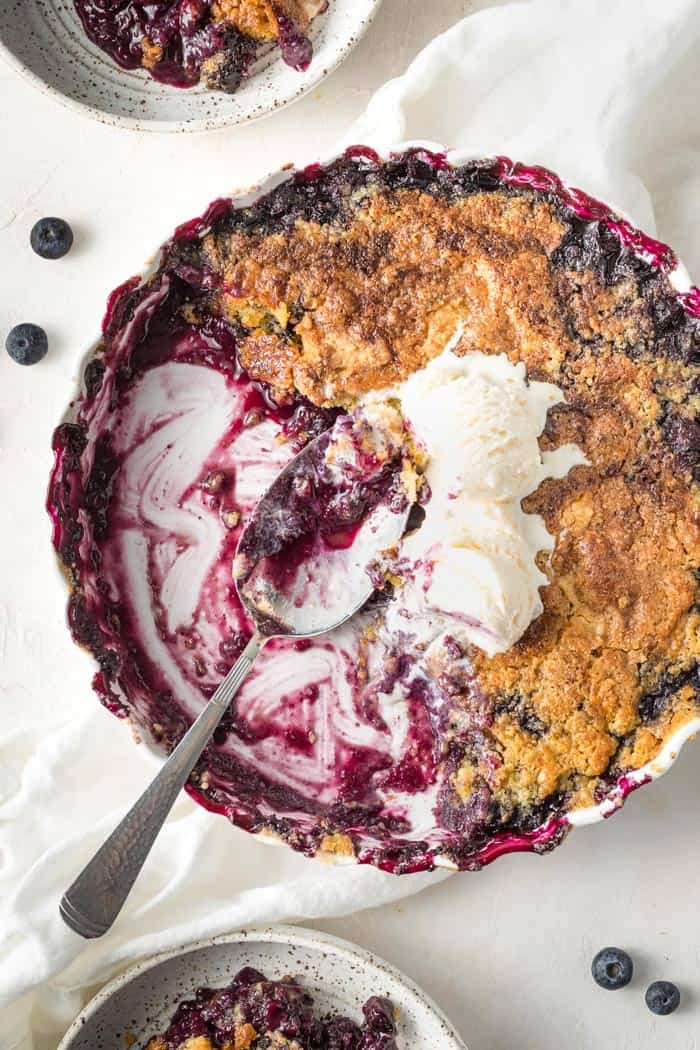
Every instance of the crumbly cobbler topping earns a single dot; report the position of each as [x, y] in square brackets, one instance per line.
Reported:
[360, 306]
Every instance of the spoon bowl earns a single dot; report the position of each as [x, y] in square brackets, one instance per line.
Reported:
[299, 573]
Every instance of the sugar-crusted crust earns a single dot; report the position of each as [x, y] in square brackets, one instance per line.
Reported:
[373, 301]
[336, 309]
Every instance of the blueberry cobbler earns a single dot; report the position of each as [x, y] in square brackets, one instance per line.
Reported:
[253, 1013]
[523, 360]
[213, 42]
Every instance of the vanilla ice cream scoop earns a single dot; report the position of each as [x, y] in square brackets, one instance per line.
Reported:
[470, 568]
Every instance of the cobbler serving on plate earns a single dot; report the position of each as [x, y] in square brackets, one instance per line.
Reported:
[253, 1013]
[533, 640]
[185, 42]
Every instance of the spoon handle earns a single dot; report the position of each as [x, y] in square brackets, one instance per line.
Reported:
[96, 897]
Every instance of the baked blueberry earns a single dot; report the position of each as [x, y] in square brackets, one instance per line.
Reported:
[195, 41]
[379, 1015]
[51, 238]
[27, 344]
[252, 1011]
[663, 997]
[612, 969]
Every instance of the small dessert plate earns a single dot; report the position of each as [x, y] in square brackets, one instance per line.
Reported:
[45, 41]
[339, 976]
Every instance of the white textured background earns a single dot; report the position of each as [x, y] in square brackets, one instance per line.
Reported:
[505, 952]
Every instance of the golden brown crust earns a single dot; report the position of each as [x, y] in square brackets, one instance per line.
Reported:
[338, 309]
[336, 846]
[381, 297]
[259, 18]
[254, 18]
[245, 1036]
[151, 53]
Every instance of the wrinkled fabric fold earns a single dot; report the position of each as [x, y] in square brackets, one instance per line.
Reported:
[203, 877]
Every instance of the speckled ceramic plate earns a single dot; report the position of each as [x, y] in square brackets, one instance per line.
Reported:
[338, 975]
[44, 40]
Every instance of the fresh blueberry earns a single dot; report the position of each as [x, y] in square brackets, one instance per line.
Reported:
[51, 238]
[663, 997]
[27, 344]
[612, 969]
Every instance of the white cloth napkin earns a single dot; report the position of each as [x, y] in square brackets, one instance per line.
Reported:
[603, 91]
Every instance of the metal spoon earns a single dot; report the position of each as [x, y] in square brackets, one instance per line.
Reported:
[311, 603]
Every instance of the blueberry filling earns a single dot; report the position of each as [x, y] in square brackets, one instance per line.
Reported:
[295, 46]
[255, 1013]
[655, 702]
[183, 42]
